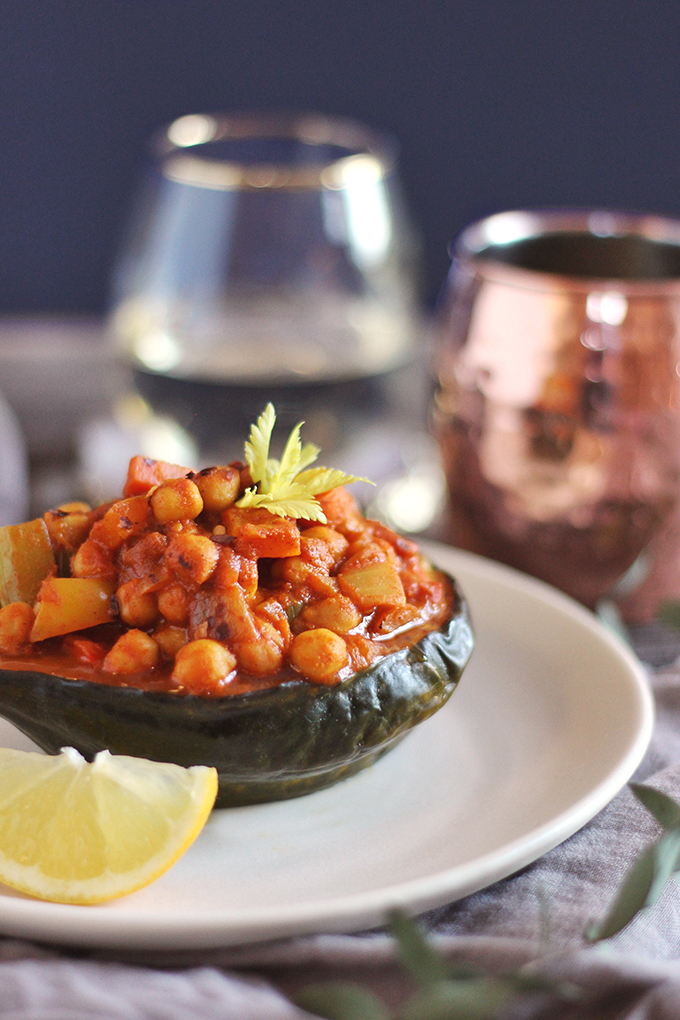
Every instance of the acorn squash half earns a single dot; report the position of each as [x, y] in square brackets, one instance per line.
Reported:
[267, 745]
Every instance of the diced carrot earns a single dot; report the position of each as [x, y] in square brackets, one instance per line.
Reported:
[89, 652]
[338, 504]
[259, 533]
[124, 519]
[144, 473]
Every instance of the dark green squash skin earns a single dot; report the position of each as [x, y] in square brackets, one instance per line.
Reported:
[266, 745]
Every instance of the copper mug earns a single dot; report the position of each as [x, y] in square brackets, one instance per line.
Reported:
[557, 393]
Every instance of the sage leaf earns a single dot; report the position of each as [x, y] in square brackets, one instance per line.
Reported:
[471, 999]
[630, 898]
[341, 1000]
[642, 886]
[646, 879]
[669, 612]
[539, 984]
[424, 965]
[664, 808]
[667, 862]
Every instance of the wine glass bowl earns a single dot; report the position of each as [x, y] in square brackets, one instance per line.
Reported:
[269, 258]
[556, 404]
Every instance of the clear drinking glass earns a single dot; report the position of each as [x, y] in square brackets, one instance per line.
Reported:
[556, 408]
[269, 258]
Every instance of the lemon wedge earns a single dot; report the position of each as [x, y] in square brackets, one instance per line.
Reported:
[75, 832]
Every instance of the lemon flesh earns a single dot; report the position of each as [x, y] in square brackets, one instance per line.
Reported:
[74, 832]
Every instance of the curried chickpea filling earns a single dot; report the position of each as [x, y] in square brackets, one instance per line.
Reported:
[175, 588]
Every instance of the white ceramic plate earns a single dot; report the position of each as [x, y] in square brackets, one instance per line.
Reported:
[551, 718]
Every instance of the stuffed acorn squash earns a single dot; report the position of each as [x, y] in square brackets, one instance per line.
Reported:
[246, 617]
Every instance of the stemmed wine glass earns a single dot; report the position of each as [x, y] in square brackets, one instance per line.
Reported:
[269, 258]
[557, 394]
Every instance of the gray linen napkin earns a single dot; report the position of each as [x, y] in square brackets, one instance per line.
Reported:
[535, 919]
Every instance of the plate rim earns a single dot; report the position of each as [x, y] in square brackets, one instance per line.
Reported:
[139, 928]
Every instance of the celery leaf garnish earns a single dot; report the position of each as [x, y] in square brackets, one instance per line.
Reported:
[287, 487]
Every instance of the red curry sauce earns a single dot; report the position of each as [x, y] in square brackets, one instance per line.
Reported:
[190, 593]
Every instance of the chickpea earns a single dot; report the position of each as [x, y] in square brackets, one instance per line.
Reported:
[68, 528]
[297, 572]
[192, 557]
[338, 614]
[186, 527]
[77, 507]
[16, 623]
[134, 652]
[319, 655]
[203, 666]
[93, 560]
[137, 607]
[170, 639]
[176, 500]
[219, 487]
[262, 653]
[173, 604]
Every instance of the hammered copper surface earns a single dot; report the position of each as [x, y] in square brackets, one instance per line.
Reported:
[557, 403]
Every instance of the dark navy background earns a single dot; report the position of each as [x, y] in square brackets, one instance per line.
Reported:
[496, 104]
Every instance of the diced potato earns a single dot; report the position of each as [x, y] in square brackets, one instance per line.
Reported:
[377, 584]
[26, 559]
[258, 645]
[66, 604]
[390, 618]
[259, 533]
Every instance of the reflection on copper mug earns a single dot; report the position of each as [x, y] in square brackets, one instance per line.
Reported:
[556, 405]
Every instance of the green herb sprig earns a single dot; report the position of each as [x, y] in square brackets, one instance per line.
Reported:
[288, 487]
[443, 991]
[652, 869]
